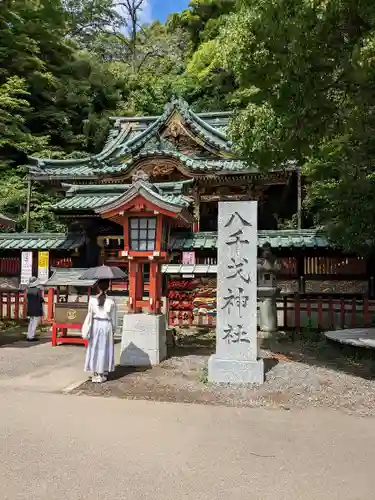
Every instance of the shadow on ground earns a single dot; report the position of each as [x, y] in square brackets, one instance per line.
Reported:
[308, 347]
[11, 333]
[312, 348]
[124, 371]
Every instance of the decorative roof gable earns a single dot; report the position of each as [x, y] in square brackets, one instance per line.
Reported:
[142, 192]
[178, 131]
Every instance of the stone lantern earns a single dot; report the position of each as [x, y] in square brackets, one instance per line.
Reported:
[268, 290]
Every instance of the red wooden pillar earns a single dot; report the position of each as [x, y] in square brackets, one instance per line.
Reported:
[132, 285]
[155, 288]
[159, 290]
[139, 281]
[135, 286]
[50, 296]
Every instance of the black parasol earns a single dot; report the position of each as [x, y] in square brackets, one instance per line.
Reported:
[103, 273]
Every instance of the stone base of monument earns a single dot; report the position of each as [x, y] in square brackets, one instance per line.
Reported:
[144, 340]
[235, 371]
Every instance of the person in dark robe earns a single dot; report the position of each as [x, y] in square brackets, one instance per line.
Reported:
[34, 308]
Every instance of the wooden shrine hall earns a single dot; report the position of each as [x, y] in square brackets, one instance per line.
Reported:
[150, 199]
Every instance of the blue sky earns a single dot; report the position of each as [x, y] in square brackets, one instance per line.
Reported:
[159, 9]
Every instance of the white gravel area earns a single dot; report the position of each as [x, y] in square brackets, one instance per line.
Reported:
[289, 384]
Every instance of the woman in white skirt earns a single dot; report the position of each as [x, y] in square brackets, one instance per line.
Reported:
[101, 315]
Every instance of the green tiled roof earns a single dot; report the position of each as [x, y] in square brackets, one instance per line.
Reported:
[84, 202]
[95, 196]
[98, 168]
[111, 189]
[179, 241]
[277, 239]
[68, 277]
[201, 128]
[193, 164]
[132, 136]
[40, 241]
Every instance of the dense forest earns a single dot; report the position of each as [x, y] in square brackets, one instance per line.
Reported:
[299, 73]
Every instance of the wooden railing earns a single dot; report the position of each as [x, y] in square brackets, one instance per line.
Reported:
[13, 305]
[299, 312]
[341, 266]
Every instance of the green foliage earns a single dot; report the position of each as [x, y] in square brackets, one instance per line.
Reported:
[301, 74]
[13, 105]
[54, 100]
[205, 82]
[203, 20]
[306, 76]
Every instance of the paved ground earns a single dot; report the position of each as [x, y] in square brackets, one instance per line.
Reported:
[64, 447]
[76, 448]
[38, 366]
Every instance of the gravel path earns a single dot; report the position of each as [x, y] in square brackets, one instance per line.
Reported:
[289, 384]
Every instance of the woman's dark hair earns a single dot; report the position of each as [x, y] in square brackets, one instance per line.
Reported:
[103, 286]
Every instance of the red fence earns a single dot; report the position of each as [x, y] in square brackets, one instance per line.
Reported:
[325, 313]
[293, 312]
[13, 305]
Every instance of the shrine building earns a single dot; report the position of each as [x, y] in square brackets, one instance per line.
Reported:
[175, 168]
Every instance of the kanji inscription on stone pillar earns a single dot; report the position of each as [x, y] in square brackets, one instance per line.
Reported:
[236, 359]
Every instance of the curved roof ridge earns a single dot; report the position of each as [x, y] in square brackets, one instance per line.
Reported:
[191, 119]
[142, 187]
[192, 163]
[209, 127]
[102, 155]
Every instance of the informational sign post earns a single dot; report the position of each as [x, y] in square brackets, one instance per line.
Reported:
[26, 267]
[43, 266]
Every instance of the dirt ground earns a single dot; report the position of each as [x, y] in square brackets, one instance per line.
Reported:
[300, 373]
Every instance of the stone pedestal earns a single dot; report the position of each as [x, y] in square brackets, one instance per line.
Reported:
[144, 340]
[267, 309]
[236, 359]
[235, 371]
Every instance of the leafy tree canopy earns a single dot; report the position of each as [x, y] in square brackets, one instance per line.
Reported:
[305, 72]
[300, 73]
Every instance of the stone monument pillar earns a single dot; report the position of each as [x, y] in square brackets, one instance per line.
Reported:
[236, 359]
[267, 291]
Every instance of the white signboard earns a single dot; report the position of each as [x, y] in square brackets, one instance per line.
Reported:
[26, 267]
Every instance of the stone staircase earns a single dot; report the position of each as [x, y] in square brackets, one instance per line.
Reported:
[121, 303]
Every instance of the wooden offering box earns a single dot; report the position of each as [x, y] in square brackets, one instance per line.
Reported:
[73, 313]
[69, 314]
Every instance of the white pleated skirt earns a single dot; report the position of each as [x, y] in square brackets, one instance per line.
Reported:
[100, 353]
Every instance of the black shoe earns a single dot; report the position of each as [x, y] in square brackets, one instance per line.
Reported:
[32, 340]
